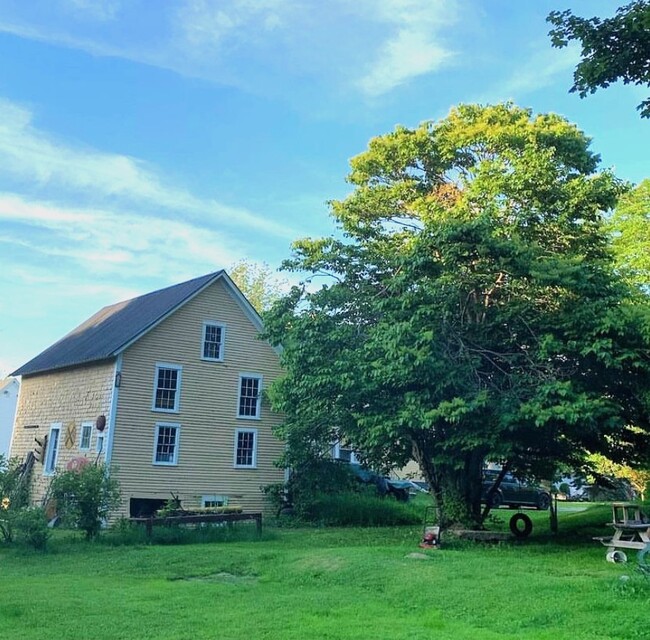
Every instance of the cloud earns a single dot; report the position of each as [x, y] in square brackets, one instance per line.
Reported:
[33, 156]
[101, 10]
[261, 46]
[540, 70]
[415, 47]
[98, 242]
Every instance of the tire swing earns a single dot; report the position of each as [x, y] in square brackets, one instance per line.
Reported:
[521, 525]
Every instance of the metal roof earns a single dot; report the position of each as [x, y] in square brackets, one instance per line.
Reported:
[113, 328]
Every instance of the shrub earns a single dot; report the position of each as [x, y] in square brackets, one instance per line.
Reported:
[31, 526]
[14, 495]
[362, 509]
[85, 496]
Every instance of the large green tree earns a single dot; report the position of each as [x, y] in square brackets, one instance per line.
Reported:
[469, 310]
[616, 48]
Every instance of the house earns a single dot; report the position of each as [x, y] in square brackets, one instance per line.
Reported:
[8, 398]
[167, 389]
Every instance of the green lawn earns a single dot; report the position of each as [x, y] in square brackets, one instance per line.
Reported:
[328, 583]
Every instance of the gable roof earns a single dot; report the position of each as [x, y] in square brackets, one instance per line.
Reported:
[114, 328]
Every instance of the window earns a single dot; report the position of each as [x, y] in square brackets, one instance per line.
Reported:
[86, 435]
[213, 341]
[344, 453]
[246, 448]
[167, 388]
[209, 502]
[250, 397]
[52, 451]
[166, 443]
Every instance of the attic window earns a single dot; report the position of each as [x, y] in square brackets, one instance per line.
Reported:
[167, 388]
[213, 341]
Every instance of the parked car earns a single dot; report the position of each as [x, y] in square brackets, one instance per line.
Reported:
[514, 493]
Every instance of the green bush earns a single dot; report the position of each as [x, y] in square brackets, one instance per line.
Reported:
[361, 509]
[31, 527]
[85, 497]
[14, 495]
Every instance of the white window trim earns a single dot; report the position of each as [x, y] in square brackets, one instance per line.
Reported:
[214, 498]
[222, 326]
[336, 453]
[84, 425]
[259, 377]
[174, 462]
[177, 399]
[234, 459]
[52, 454]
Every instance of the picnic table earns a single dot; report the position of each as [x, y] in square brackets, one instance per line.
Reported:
[631, 528]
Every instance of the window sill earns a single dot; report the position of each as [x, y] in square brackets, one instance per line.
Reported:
[249, 417]
[156, 410]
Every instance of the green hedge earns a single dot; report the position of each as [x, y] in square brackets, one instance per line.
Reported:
[362, 510]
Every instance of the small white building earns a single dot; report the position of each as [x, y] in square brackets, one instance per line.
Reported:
[9, 388]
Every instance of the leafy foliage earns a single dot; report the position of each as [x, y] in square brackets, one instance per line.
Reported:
[470, 310]
[257, 282]
[85, 496]
[616, 48]
[31, 525]
[14, 496]
[630, 227]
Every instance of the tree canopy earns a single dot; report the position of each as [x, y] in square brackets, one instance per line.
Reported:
[616, 48]
[470, 309]
[257, 282]
[630, 228]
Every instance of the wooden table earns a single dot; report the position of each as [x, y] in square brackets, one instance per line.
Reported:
[198, 519]
[631, 528]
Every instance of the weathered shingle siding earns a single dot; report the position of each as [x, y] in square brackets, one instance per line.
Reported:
[208, 408]
[69, 397]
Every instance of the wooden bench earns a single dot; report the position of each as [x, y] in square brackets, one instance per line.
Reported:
[229, 518]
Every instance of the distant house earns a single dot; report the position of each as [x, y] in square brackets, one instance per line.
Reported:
[8, 398]
[167, 388]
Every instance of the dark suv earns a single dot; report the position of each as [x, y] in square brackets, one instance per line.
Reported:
[514, 493]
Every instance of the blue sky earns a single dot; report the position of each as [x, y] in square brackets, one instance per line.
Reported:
[143, 143]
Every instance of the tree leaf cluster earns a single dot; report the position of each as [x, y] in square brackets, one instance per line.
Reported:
[616, 48]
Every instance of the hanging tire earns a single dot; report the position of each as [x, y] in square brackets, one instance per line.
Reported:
[521, 531]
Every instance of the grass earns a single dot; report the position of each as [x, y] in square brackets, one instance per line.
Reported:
[328, 583]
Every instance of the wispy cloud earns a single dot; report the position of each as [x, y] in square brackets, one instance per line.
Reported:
[34, 156]
[245, 43]
[415, 46]
[100, 242]
[538, 71]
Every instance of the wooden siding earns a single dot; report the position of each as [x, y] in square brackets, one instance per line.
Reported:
[69, 397]
[207, 413]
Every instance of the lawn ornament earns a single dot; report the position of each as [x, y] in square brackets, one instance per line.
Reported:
[431, 531]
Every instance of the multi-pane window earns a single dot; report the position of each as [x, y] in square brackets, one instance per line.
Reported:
[211, 502]
[250, 387]
[166, 443]
[213, 341]
[86, 435]
[52, 451]
[167, 388]
[246, 448]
